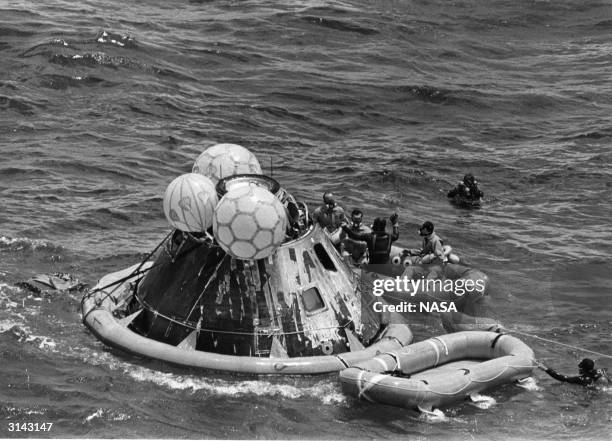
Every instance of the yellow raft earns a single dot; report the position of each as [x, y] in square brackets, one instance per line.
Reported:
[439, 371]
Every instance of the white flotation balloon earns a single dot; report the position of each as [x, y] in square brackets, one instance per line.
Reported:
[249, 222]
[189, 202]
[223, 160]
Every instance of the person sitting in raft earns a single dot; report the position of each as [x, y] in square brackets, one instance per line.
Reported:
[357, 249]
[378, 241]
[432, 250]
[467, 189]
[587, 374]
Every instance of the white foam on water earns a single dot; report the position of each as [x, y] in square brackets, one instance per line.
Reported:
[20, 243]
[6, 291]
[97, 359]
[327, 392]
[333, 397]
[25, 410]
[529, 383]
[10, 304]
[44, 343]
[15, 324]
[12, 300]
[120, 417]
[8, 324]
[6, 286]
[14, 316]
[433, 416]
[22, 318]
[107, 415]
[24, 333]
[96, 414]
[482, 401]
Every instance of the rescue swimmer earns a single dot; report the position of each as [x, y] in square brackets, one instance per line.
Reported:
[466, 194]
[467, 189]
[587, 374]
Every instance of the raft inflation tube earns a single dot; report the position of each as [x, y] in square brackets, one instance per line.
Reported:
[439, 371]
[401, 256]
[99, 318]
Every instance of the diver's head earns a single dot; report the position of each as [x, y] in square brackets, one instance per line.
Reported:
[380, 224]
[586, 365]
[356, 218]
[328, 199]
[469, 180]
[426, 229]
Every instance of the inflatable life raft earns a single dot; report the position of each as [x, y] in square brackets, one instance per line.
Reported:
[103, 314]
[439, 371]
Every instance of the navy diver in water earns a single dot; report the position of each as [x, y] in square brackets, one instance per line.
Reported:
[467, 190]
[587, 374]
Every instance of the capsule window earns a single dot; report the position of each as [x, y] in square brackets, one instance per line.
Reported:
[312, 300]
[324, 258]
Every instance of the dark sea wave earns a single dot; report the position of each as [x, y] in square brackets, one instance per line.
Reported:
[386, 103]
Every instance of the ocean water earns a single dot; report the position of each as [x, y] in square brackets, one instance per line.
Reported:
[387, 103]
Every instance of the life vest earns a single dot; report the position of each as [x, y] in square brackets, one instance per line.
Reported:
[329, 218]
[381, 248]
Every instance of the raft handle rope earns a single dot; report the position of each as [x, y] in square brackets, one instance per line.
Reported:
[396, 370]
[430, 341]
[495, 340]
[433, 344]
[577, 348]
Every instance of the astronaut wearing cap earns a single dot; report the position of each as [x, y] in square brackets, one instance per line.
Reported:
[432, 250]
